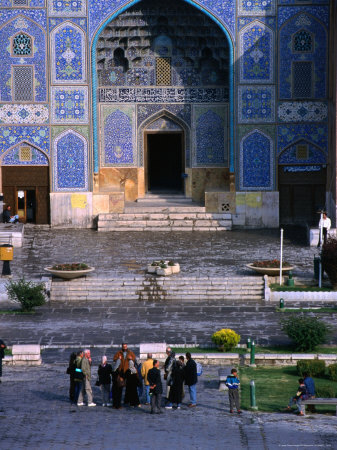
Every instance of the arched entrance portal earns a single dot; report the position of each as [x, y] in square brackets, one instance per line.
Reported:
[155, 56]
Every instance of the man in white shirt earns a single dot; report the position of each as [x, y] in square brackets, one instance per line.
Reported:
[325, 224]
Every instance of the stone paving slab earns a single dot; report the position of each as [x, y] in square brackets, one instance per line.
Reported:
[35, 414]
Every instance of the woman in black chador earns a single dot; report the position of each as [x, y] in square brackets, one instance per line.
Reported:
[177, 384]
[132, 382]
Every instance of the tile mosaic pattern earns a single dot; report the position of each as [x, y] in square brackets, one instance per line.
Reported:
[164, 124]
[70, 162]
[319, 12]
[68, 54]
[287, 55]
[118, 139]
[37, 136]
[21, 15]
[256, 7]
[38, 58]
[12, 157]
[23, 114]
[100, 10]
[269, 21]
[302, 111]
[256, 44]
[71, 8]
[80, 22]
[315, 155]
[210, 139]
[256, 162]
[256, 104]
[317, 134]
[69, 105]
[31, 3]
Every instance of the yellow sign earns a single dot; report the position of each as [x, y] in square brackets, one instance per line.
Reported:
[254, 199]
[78, 201]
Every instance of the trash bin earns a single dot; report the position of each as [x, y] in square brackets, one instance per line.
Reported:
[316, 267]
[6, 252]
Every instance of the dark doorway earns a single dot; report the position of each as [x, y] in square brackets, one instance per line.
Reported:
[26, 189]
[165, 162]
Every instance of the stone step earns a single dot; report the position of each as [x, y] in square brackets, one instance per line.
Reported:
[152, 209]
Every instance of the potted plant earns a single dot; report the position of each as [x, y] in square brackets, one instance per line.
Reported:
[152, 268]
[70, 270]
[270, 267]
[174, 266]
[164, 270]
[329, 260]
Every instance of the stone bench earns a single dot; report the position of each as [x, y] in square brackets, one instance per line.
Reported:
[319, 401]
[158, 350]
[26, 355]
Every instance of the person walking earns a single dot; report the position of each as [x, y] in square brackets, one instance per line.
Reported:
[132, 383]
[191, 379]
[168, 367]
[121, 365]
[2, 355]
[233, 383]
[71, 372]
[86, 385]
[177, 385]
[156, 387]
[104, 380]
[78, 376]
[325, 224]
[146, 366]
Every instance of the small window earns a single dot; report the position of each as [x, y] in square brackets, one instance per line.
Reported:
[302, 152]
[23, 84]
[302, 79]
[22, 45]
[163, 71]
[302, 42]
[20, 2]
[25, 154]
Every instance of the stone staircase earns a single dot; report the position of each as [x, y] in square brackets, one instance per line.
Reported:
[151, 288]
[164, 213]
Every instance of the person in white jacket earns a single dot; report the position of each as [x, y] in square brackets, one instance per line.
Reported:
[325, 224]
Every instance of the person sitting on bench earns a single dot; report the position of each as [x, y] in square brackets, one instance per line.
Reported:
[8, 218]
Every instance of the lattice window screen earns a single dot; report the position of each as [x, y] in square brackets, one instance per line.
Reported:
[302, 79]
[25, 154]
[163, 71]
[23, 84]
[20, 2]
[302, 151]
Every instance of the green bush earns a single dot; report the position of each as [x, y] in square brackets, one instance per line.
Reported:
[226, 339]
[306, 331]
[325, 392]
[332, 372]
[26, 293]
[314, 367]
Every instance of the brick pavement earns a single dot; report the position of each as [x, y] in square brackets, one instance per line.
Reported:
[35, 414]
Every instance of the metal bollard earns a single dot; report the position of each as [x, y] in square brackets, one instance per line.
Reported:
[249, 344]
[252, 354]
[252, 396]
[281, 303]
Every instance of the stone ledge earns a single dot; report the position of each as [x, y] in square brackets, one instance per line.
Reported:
[26, 350]
[295, 296]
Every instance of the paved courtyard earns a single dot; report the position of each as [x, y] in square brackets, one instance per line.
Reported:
[123, 253]
[35, 414]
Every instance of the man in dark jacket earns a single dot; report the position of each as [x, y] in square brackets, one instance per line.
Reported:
[156, 387]
[191, 379]
[2, 355]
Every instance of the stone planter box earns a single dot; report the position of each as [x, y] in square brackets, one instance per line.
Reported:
[69, 274]
[24, 355]
[151, 268]
[164, 272]
[269, 270]
[175, 268]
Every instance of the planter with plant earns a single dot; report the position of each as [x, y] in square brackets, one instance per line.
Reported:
[164, 270]
[329, 260]
[152, 268]
[226, 339]
[26, 293]
[174, 266]
[270, 266]
[70, 270]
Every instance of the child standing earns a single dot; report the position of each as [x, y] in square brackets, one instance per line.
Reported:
[233, 383]
[301, 394]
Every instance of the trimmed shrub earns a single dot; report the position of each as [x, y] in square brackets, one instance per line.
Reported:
[325, 392]
[26, 293]
[306, 331]
[226, 338]
[332, 372]
[314, 367]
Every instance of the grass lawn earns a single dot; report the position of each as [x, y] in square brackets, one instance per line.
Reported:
[8, 352]
[275, 386]
[182, 351]
[284, 287]
[258, 349]
[327, 309]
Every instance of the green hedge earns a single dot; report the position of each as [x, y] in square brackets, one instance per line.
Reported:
[314, 367]
[332, 372]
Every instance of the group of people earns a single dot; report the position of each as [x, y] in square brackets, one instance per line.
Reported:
[305, 391]
[126, 371]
